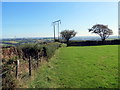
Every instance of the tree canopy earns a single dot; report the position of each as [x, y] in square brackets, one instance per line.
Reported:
[102, 30]
[67, 34]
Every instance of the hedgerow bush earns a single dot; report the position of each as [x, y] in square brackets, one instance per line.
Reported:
[27, 50]
[50, 48]
[8, 78]
[35, 50]
[63, 45]
[30, 49]
[46, 50]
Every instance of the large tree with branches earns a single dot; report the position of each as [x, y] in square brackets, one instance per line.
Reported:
[67, 34]
[102, 30]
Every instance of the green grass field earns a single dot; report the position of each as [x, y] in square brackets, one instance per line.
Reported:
[11, 42]
[80, 67]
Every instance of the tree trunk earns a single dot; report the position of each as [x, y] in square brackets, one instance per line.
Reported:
[67, 42]
[103, 39]
[30, 66]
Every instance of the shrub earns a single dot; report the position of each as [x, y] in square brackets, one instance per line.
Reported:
[30, 50]
[8, 80]
[26, 50]
[50, 49]
[33, 50]
[63, 45]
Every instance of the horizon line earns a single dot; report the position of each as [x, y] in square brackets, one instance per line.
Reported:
[55, 37]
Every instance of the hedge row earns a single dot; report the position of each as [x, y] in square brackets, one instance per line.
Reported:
[50, 49]
[38, 50]
[25, 51]
[91, 43]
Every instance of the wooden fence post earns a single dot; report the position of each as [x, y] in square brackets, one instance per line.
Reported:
[17, 68]
[38, 60]
[30, 68]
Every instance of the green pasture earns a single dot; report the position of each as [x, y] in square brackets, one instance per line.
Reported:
[11, 42]
[80, 67]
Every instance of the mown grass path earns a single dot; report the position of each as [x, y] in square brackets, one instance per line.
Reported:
[80, 67]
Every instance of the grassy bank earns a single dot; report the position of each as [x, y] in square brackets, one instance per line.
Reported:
[80, 67]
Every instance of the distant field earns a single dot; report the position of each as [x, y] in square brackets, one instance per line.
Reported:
[6, 45]
[10, 41]
[80, 67]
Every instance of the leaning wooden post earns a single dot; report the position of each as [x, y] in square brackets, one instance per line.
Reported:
[17, 68]
[30, 68]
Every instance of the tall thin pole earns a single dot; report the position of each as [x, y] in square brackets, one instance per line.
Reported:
[30, 67]
[59, 22]
[58, 31]
[54, 31]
